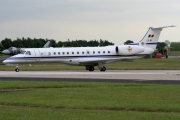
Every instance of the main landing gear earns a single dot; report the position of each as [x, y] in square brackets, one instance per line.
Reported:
[90, 68]
[100, 66]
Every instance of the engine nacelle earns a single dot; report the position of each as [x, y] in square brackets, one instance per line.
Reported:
[129, 49]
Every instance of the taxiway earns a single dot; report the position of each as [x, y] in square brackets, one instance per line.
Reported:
[143, 76]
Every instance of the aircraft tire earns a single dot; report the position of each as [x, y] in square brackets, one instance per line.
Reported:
[91, 68]
[103, 69]
[17, 69]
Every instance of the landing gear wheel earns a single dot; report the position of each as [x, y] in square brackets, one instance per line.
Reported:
[17, 69]
[103, 69]
[91, 68]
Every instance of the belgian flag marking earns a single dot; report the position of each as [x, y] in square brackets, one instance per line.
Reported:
[151, 35]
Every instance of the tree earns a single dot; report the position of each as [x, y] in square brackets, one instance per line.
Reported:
[38, 43]
[54, 44]
[7, 43]
[1, 47]
[18, 43]
[128, 41]
[93, 43]
[60, 44]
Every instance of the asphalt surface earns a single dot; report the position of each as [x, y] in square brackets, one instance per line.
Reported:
[123, 76]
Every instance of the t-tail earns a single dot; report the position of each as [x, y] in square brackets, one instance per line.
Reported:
[151, 37]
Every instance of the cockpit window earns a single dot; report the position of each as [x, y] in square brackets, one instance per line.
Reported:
[28, 53]
[22, 52]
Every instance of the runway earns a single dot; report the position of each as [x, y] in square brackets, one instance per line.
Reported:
[137, 76]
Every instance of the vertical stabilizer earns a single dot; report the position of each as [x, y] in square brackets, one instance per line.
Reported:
[152, 36]
[47, 45]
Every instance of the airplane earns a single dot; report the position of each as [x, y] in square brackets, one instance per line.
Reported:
[14, 50]
[90, 56]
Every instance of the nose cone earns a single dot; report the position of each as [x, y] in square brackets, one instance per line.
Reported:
[8, 63]
[5, 62]
[7, 52]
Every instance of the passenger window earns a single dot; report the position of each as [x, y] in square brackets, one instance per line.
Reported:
[82, 52]
[77, 52]
[63, 53]
[103, 51]
[54, 53]
[67, 52]
[49, 53]
[108, 51]
[93, 52]
[72, 52]
[59, 53]
[99, 52]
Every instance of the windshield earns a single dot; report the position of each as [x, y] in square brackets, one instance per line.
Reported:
[28, 53]
[22, 52]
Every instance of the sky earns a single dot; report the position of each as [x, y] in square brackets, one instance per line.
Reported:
[114, 20]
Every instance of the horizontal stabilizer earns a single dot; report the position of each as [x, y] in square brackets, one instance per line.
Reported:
[162, 27]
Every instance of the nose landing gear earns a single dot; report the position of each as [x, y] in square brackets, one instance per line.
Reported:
[17, 68]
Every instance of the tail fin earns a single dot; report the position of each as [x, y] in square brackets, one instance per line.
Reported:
[47, 45]
[152, 36]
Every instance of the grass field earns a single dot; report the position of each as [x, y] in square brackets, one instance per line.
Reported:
[139, 64]
[174, 53]
[175, 46]
[86, 101]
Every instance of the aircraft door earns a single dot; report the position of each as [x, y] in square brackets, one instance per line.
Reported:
[37, 54]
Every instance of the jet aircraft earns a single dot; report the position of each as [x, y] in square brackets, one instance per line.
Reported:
[90, 56]
[14, 50]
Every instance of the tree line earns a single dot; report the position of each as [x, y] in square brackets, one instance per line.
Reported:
[38, 43]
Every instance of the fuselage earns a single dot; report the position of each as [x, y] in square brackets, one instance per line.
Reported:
[79, 55]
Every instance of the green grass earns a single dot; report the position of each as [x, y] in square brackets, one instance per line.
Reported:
[174, 53]
[175, 46]
[139, 64]
[69, 100]
[29, 113]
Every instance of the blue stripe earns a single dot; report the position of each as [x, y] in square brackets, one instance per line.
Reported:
[152, 43]
[146, 43]
[62, 57]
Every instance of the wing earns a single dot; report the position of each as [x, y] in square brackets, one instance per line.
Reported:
[94, 61]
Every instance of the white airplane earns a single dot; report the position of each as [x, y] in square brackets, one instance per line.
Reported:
[14, 50]
[90, 56]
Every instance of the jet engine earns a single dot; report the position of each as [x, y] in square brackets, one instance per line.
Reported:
[129, 49]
